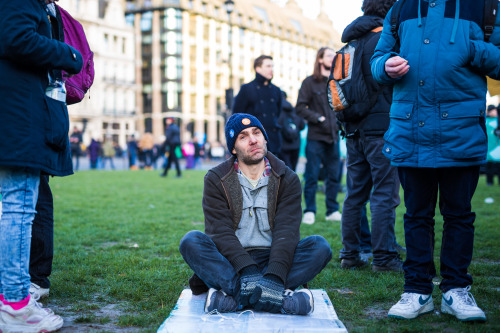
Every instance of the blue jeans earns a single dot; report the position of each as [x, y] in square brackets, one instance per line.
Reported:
[42, 240]
[327, 154]
[456, 188]
[200, 253]
[19, 197]
[367, 169]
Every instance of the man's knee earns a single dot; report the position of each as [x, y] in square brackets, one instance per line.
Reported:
[192, 238]
[320, 247]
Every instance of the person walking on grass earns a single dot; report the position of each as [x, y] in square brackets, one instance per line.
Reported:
[437, 139]
[172, 141]
[251, 255]
[33, 141]
[322, 148]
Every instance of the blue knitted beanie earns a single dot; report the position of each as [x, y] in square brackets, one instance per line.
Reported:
[237, 123]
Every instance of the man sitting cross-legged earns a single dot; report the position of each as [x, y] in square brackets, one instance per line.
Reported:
[251, 254]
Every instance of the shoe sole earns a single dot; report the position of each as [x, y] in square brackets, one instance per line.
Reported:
[309, 293]
[353, 266]
[207, 301]
[401, 316]
[41, 328]
[408, 318]
[379, 269]
[447, 310]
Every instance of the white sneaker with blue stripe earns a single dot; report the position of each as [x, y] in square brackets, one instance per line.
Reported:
[411, 305]
[460, 303]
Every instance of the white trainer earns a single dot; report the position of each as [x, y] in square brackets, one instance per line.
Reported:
[38, 292]
[411, 305]
[335, 216]
[30, 319]
[460, 303]
[309, 218]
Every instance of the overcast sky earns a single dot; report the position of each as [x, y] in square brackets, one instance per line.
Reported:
[341, 12]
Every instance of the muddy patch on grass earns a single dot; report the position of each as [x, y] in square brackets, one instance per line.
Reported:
[486, 261]
[92, 317]
[376, 311]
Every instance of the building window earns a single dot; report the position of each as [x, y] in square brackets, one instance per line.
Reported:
[147, 21]
[147, 102]
[129, 19]
[148, 125]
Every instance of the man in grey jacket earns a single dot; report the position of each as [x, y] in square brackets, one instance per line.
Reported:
[251, 253]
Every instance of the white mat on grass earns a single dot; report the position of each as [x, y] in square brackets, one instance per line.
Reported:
[188, 316]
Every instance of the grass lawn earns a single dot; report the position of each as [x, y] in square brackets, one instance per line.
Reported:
[117, 266]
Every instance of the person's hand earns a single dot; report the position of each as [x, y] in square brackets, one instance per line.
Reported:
[248, 281]
[268, 295]
[396, 67]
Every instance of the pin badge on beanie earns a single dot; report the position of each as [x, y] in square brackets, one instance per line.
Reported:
[237, 123]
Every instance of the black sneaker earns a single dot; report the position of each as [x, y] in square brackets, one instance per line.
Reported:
[354, 263]
[297, 303]
[219, 301]
[395, 265]
[398, 247]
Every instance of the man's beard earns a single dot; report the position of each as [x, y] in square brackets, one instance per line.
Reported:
[250, 160]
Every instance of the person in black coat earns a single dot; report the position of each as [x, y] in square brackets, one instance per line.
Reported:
[33, 140]
[172, 141]
[291, 125]
[262, 99]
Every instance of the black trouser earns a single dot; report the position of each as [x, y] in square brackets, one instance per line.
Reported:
[492, 169]
[455, 187]
[42, 236]
[290, 157]
[172, 157]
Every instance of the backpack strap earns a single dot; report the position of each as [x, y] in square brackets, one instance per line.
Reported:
[490, 14]
[396, 10]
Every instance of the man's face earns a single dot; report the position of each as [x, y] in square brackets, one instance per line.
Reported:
[327, 59]
[250, 146]
[266, 69]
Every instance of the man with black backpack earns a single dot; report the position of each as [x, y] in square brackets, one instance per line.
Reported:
[436, 55]
[369, 174]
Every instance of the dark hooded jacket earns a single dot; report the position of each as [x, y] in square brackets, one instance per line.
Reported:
[312, 103]
[33, 128]
[375, 119]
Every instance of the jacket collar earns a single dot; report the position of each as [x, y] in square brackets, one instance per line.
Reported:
[260, 79]
[226, 168]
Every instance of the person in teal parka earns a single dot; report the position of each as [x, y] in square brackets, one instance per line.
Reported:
[437, 139]
[33, 140]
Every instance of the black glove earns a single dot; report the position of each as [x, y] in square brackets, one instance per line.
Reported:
[268, 295]
[249, 276]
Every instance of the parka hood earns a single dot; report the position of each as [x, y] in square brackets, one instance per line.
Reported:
[360, 27]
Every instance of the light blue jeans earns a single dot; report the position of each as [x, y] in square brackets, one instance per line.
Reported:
[19, 188]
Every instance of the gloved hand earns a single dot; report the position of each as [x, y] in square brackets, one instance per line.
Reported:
[249, 276]
[268, 295]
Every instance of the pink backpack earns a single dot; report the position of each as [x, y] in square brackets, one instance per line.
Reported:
[79, 84]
